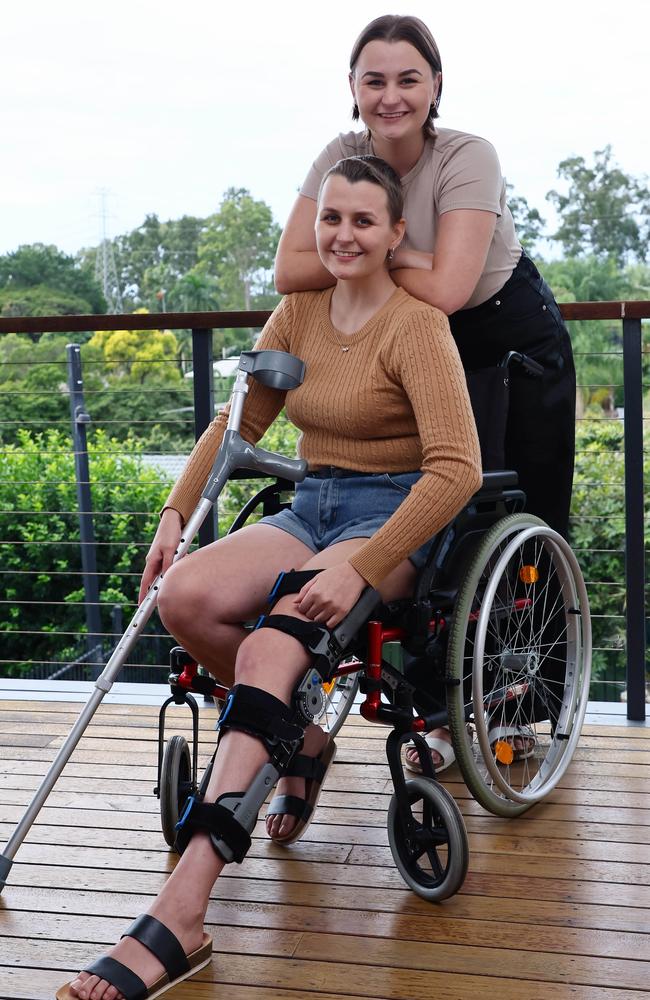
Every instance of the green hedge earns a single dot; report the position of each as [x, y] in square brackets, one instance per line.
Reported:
[37, 484]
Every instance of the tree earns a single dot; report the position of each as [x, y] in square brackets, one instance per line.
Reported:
[153, 257]
[40, 280]
[596, 343]
[238, 248]
[529, 223]
[606, 211]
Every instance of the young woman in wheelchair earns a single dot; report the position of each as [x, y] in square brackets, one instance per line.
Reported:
[388, 433]
[461, 254]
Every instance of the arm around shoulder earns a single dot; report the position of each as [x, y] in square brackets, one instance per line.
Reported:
[298, 267]
[462, 244]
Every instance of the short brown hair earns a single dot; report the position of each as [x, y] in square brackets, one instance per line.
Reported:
[395, 28]
[375, 170]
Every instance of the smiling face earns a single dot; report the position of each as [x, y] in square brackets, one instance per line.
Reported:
[353, 228]
[394, 88]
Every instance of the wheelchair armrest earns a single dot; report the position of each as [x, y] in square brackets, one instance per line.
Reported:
[498, 481]
[346, 630]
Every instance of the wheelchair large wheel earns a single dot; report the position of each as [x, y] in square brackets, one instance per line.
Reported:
[339, 698]
[175, 785]
[519, 656]
[433, 859]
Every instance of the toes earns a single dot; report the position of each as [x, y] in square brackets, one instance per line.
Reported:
[280, 825]
[286, 826]
[83, 985]
[100, 989]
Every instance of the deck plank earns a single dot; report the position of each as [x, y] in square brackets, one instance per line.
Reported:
[556, 904]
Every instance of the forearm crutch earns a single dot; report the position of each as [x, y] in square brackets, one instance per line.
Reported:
[274, 369]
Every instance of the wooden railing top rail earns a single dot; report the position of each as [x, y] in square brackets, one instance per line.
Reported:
[637, 309]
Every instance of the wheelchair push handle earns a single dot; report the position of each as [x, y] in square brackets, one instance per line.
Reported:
[529, 365]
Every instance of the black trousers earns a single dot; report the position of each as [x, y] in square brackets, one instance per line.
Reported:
[540, 429]
[540, 433]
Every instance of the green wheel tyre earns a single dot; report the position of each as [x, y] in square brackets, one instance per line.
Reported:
[519, 656]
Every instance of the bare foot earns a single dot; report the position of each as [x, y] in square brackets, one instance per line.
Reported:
[411, 753]
[187, 928]
[281, 824]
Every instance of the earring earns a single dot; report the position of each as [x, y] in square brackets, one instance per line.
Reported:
[355, 109]
[390, 254]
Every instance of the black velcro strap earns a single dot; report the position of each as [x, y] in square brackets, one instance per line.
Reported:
[118, 975]
[290, 805]
[310, 768]
[290, 582]
[160, 941]
[258, 713]
[219, 822]
[308, 633]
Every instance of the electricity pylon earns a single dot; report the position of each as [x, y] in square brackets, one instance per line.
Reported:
[105, 269]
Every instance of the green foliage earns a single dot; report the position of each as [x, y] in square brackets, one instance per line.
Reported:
[281, 437]
[32, 383]
[139, 355]
[47, 282]
[606, 212]
[238, 246]
[528, 222]
[38, 504]
[598, 539]
[153, 257]
[41, 300]
[597, 344]
[119, 395]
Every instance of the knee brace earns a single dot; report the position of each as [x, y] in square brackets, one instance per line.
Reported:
[317, 639]
[231, 819]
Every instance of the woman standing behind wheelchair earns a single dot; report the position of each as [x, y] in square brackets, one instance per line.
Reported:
[460, 253]
[388, 433]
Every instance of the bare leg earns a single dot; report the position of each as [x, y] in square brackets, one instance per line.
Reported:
[206, 596]
[397, 584]
[183, 901]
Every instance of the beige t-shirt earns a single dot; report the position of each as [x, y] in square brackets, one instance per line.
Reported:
[456, 170]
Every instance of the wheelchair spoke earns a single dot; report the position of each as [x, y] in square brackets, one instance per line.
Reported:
[526, 650]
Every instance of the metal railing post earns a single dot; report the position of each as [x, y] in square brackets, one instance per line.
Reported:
[634, 526]
[80, 418]
[204, 411]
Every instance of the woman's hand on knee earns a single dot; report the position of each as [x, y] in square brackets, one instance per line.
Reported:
[161, 554]
[330, 595]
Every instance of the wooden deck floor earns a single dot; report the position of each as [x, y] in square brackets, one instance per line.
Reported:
[556, 904]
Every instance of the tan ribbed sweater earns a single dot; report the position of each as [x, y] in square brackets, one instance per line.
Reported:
[394, 401]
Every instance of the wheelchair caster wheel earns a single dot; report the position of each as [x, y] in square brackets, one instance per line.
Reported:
[175, 785]
[433, 857]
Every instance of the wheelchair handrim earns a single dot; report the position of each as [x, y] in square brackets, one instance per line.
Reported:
[572, 715]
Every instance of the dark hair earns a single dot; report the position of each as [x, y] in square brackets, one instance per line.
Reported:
[375, 170]
[395, 28]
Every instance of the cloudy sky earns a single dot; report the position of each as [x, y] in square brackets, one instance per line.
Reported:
[165, 105]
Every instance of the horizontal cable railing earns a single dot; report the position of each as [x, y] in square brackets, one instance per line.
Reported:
[84, 470]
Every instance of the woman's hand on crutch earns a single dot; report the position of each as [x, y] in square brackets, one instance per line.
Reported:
[161, 553]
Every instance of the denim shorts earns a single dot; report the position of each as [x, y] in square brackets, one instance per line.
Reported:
[335, 504]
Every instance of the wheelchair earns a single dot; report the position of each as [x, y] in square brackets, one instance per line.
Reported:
[496, 635]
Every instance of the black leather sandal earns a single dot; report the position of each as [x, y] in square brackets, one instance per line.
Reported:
[167, 949]
[313, 770]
